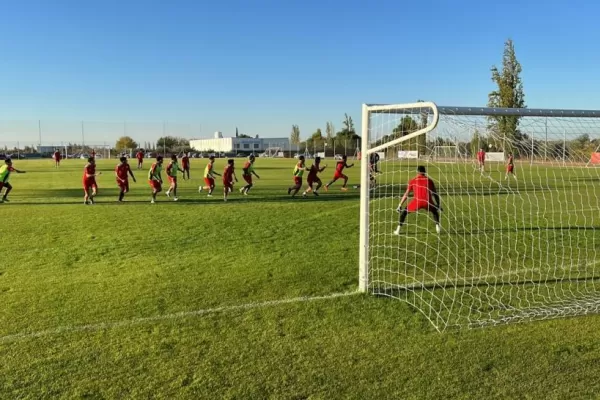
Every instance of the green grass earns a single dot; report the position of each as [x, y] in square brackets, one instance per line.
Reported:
[90, 296]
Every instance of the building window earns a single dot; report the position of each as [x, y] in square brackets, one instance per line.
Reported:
[237, 145]
[246, 145]
[255, 146]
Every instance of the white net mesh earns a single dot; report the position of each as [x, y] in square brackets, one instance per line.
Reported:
[509, 250]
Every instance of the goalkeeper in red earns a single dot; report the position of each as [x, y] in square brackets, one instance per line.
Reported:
[247, 173]
[510, 167]
[339, 173]
[425, 197]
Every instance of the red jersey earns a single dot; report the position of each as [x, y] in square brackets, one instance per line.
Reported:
[90, 169]
[122, 171]
[481, 155]
[185, 161]
[139, 155]
[312, 173]
[228, 173]
[421, 187]
[57, 156]
[339, 167]
[511, 160]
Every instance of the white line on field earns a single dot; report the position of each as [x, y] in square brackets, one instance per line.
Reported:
[165, 317]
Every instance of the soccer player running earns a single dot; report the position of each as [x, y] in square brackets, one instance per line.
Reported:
[209, 176]
[122, 172]
[425, 197]
[172, 170]
[140, 158]
[155, 179]
[228, 176]
[247, 172]
[5, 171]
[481, 159]
[298, 172]
[510, 166]
[313, 177]
[90, 187]
[339, 173]
[57, 158]
[185, 164]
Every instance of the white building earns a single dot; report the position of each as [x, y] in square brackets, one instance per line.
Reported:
[238, 145]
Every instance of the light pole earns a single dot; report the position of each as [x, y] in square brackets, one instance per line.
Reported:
[324, 150]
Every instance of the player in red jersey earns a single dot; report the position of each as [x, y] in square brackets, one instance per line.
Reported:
[481, 159]
[57, 157]
[298, 172]
[248, 170]
[122, 172]
[209, 176]
[339, 173]
[185, 165]
[155, 179]
[510, 166]
[140, 158]
[90, 187]
[313, 177]
[5, 171]
[425, 197]
[228, 176]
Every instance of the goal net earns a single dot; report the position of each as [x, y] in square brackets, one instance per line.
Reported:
[271, 152]
[446, 153]
[516, 243]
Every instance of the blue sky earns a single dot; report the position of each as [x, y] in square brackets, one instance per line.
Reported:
[265, 65]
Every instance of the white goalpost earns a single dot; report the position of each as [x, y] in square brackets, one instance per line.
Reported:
[508, 250]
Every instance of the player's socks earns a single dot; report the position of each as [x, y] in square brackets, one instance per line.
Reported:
[168, 193]
[397, 231]
[316, 193]
[438, 228]
[289, 190]
[200, 189]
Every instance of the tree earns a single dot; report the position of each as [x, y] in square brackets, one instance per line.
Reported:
[124, 143]
[295, 135]
[171, 143]
[509, 94]
[244, 136]
[348, 124]
[329, 132]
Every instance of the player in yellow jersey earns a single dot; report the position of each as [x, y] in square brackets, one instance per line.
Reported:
[5, 172]
[298, 172]
[209, 176]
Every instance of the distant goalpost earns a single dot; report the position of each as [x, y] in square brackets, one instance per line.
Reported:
[508, 251]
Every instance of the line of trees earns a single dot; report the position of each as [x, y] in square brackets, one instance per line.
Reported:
[345, 137]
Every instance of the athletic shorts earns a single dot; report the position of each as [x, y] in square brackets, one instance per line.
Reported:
[312, 181]
[298, 180]
[90, 184]
[510, 168]
[248, 179]
[339, 175]
[1, 185]
[173, 179]
[186, 168]
[416, 205]
[228, 185]
[124, 186]
[156, 185]
[209, 182]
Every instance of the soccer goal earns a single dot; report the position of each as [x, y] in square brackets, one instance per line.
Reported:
[446, 154]
[272, 152]
[509, 250]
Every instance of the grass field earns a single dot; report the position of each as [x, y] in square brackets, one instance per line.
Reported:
[250, 299]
